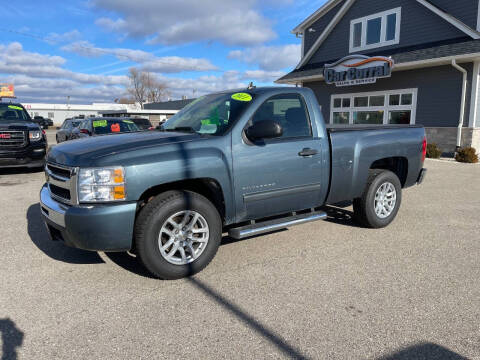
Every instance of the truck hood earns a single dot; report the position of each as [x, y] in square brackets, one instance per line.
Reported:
[85, 152]
[18, 125]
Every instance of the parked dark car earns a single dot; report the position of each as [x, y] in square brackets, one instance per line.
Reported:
[22, 142]
[142, 123]
[246, 163]
[43, 122]
[103, 126]
[65, 131]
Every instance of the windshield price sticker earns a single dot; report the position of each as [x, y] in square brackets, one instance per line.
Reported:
[14, 107]
[242, 97]
[99, 123]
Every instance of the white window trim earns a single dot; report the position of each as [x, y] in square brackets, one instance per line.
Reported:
[383, 30]
[386, 108]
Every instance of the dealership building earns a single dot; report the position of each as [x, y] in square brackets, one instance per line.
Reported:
[396, 62]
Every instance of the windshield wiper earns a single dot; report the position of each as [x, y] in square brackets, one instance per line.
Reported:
[186, 129]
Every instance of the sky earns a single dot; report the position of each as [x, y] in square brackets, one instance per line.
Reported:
[83, 49]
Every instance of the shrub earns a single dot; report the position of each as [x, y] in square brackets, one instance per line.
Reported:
[433, 151]
[467, 155]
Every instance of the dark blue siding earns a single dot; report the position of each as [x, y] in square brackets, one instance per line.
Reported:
[438, 98]
[418, 26]
[319, 26]
[464, 10]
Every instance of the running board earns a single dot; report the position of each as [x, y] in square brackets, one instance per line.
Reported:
[277, 224]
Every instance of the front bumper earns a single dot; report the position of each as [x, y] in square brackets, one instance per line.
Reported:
[30, 157]
[106, 227]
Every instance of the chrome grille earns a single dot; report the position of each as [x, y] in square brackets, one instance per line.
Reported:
[62, 182]
[14, 139]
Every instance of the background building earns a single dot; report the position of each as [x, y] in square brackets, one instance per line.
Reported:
[155, 112]
[435, 48]
[59, 112]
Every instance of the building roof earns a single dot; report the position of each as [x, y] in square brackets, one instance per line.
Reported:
[168, 105]
[432, 54]
[346, 6]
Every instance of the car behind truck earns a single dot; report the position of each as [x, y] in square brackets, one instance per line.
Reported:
[244, 162]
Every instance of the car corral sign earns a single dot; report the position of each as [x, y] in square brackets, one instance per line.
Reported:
[357, 70]
[7, 91]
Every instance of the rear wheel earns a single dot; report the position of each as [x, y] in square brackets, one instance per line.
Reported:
[177, 234]
[380, 201]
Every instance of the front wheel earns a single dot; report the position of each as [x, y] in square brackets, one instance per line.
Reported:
[380, 200]
[177, 234]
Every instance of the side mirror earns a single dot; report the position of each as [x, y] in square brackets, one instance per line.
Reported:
[266, 129]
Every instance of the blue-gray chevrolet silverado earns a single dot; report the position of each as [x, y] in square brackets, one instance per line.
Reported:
[245, 162]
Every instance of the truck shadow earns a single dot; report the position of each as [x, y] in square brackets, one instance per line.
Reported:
[424, 350]
[129, 262]
[20, 170]
[340, 216]
[53, 249]
[12, 338]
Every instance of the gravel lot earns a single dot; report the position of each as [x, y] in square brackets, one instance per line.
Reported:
[324, 290]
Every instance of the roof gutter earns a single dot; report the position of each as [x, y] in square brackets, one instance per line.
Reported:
[462, 106]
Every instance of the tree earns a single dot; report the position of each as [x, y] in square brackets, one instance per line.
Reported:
[144, 87]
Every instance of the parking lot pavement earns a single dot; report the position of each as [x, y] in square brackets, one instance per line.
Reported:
[51, 136]
[326, 290]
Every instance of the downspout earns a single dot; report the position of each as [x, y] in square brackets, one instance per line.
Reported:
[462, 106]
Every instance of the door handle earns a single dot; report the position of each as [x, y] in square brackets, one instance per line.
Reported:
[307, 152]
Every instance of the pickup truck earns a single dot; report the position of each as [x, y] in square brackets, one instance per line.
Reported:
[245, 162]
[22, 142]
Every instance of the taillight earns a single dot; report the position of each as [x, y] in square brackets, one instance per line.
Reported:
[424, 148]
[43, 132]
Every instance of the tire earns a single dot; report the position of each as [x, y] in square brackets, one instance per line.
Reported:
[151, 230]
[364, 207]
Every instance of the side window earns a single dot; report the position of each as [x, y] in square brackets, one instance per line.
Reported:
[289, 111]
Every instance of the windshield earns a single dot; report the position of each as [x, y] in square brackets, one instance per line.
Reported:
[110, 126]
[211, 114]
[9, 112]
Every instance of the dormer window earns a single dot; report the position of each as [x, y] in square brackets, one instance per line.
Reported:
[377, 30]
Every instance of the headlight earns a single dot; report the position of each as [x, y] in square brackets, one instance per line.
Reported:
[35, 135]
[101, 184]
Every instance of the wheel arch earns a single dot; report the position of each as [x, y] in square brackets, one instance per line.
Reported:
[207, 187]
[396, 164]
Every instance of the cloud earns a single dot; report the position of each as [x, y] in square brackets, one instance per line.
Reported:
[15, 60]
[194, 87]
[30, 89]
[269, 58]
[54, 38]
[13, 54]
[147, 61]
[262, 75]
[230, 22]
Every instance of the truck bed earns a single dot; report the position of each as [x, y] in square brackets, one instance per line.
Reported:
[356, 149]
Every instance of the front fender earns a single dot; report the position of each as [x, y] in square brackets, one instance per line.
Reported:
[182, 161]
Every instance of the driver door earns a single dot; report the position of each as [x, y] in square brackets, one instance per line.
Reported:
[276, 176]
